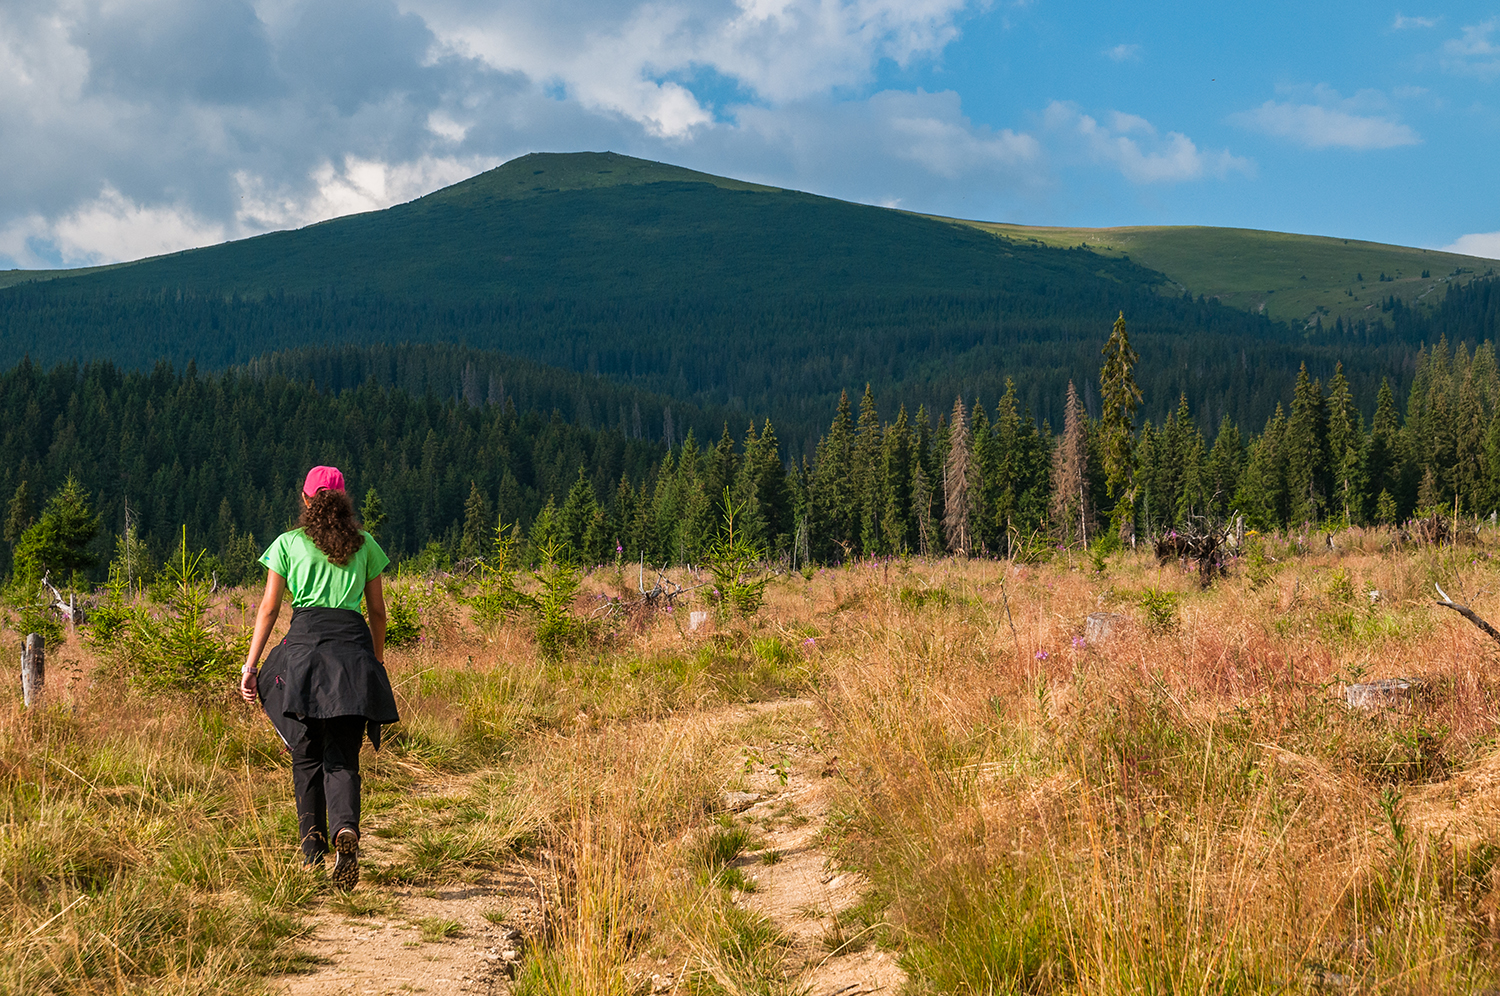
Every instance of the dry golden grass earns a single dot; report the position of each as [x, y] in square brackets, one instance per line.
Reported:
[1185, 807]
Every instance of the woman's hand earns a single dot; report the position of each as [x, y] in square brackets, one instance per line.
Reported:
[265, 619]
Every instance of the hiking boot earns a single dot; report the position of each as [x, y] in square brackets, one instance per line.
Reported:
[345, 874]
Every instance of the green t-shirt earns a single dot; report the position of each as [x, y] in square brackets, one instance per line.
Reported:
[317, 582]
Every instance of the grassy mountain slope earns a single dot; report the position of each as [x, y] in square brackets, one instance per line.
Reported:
[1291, 278]
[599, 224]
[727, 295]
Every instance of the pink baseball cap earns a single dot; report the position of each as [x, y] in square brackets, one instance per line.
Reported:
[323, 479]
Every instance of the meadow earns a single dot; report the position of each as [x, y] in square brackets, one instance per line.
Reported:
[976, 795]
[1293, 278]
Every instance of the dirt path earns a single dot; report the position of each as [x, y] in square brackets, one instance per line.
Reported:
[387, 953]
[798, 889]
[397, 939]
[802, 892]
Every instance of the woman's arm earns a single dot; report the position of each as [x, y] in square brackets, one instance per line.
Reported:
[375, 609]
[265, 619]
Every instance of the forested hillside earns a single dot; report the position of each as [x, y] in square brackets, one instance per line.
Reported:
[223, 455]
[764, 302]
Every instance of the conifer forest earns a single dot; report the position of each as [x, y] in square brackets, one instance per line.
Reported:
[439, 460]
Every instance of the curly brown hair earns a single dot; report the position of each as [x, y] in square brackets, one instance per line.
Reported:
[328, 519]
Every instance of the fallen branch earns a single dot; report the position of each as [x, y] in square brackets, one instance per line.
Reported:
[1467, 613]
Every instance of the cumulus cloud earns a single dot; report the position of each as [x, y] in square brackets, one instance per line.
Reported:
[1483, 244]
[1124, 53]
[107, 228]
[780, 50]
[197, 120]
[1133, 146]
[1475, 52]
[1329, 120]
[139, 127]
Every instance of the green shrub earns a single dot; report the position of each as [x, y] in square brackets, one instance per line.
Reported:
[556, 628]
[1160, 607]
[177, 646]
[739, 581]
[497, 597]
[402, 625]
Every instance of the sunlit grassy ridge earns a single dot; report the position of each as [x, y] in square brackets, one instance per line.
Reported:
[1291, 278]
[1186, 806]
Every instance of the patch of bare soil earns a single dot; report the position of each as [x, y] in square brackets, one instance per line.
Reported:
[388, 954]
[454, 938]
[797, 886]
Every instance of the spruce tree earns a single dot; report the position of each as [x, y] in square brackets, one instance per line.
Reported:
[1070, 511]
[897, 457]
[869, 479]
[833, 510]
[1195, 496]
[621, 520]
[372, 513]
[576, 518]
[984, 534]
[1381, 451]
[1005, 477]
[57, 542]
[1470, 477]
[1346, 446]
[1262, 494]
[763, 478]
[722, 467]
[19, 513]
[1147, 458]
[477, 527]
[1306, 459]
[1225, 464]
[1118, 398]
[921, 501]
[957, 480]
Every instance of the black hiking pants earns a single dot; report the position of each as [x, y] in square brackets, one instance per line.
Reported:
[325, 779]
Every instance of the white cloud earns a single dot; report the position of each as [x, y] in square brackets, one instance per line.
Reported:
[1403, 22]
[355, 186]
[1484, 244]
[922, 142]
[630, 59]
[1124, 53]
[1475, 53]
[112, 227]
[140, 126]
[1132, 145]
[1330, 121]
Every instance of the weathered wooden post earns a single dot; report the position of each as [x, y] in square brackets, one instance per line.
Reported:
[33, 670]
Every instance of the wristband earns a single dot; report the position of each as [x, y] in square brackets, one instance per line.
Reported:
[249, 668]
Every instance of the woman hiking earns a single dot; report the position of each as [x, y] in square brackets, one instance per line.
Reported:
[324, 686]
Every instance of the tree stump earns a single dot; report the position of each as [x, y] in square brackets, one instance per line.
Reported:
[1100, 626]
[1387, 693]
[33, 670]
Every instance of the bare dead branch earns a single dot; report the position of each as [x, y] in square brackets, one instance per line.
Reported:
[1467, 613]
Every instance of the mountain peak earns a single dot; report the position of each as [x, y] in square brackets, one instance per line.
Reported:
[540, 173]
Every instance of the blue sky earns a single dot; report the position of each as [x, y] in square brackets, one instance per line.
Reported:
[133, 127]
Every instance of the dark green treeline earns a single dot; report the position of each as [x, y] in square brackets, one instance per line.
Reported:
[223, 455]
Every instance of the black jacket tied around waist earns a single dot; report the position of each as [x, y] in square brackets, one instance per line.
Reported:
[326, 668]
